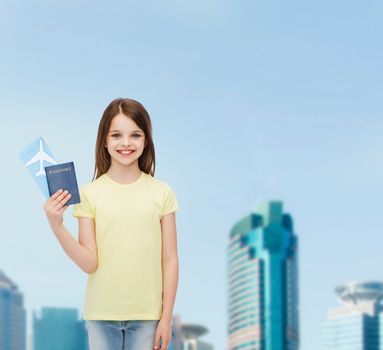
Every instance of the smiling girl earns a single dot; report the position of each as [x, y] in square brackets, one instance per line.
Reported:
[127, 236]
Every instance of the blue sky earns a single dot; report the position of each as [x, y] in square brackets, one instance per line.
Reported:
[249, 101]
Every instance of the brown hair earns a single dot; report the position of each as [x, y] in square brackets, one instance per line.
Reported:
[136, 111]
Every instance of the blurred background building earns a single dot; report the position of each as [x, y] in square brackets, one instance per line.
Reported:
[358, 324]
[12, 316]
[263, 281]
[59, 329]
[186, 336]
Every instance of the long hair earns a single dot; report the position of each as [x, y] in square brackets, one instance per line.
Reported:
[136, 111]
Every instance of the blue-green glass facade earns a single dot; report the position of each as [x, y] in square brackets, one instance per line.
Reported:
[263, 281]
[12, 316]
[356, 332]
[59, 329]
[358, 324]
[380, 330]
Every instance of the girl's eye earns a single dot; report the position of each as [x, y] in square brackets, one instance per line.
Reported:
[135, 135]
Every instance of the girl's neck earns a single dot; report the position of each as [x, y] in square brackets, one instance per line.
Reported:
[124, 174]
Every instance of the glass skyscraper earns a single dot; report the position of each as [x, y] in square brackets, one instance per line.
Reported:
[59, 329]
[357, 325]
[263, 281]
[12, 316]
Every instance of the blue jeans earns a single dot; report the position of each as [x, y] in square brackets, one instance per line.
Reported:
[118, 335]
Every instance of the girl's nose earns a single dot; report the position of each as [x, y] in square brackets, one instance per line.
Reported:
[125, 142]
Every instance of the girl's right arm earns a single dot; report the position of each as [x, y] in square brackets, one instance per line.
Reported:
[84, 251]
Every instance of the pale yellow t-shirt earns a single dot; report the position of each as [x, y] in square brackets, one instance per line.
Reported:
[127, 284]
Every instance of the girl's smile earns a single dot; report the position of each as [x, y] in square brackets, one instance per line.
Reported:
[125, 153]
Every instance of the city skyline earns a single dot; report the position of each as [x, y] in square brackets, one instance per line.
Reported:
[61, 328]
[249, 101]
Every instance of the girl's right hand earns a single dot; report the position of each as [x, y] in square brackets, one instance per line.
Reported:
[55, 206]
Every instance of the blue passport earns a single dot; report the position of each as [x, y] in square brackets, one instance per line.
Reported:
[63, 176]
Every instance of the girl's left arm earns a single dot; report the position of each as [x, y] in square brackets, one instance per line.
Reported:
[169, 276]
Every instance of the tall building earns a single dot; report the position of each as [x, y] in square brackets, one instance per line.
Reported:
[59, 329]
[187, 336]
[263, 281]
[358, 324]
[12, 316]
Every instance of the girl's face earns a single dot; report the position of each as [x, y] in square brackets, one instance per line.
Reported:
[125, 140]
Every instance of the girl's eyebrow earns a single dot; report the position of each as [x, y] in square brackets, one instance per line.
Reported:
[119, 130]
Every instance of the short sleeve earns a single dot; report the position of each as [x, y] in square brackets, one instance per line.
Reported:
[84, 208]
[170, 203]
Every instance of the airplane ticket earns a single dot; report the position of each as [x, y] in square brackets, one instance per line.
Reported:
[35, 157]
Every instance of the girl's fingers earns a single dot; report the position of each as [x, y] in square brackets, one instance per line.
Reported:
[65, 199]
[58, 203]
[56, 194]
[53, 197]
[60, 197]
